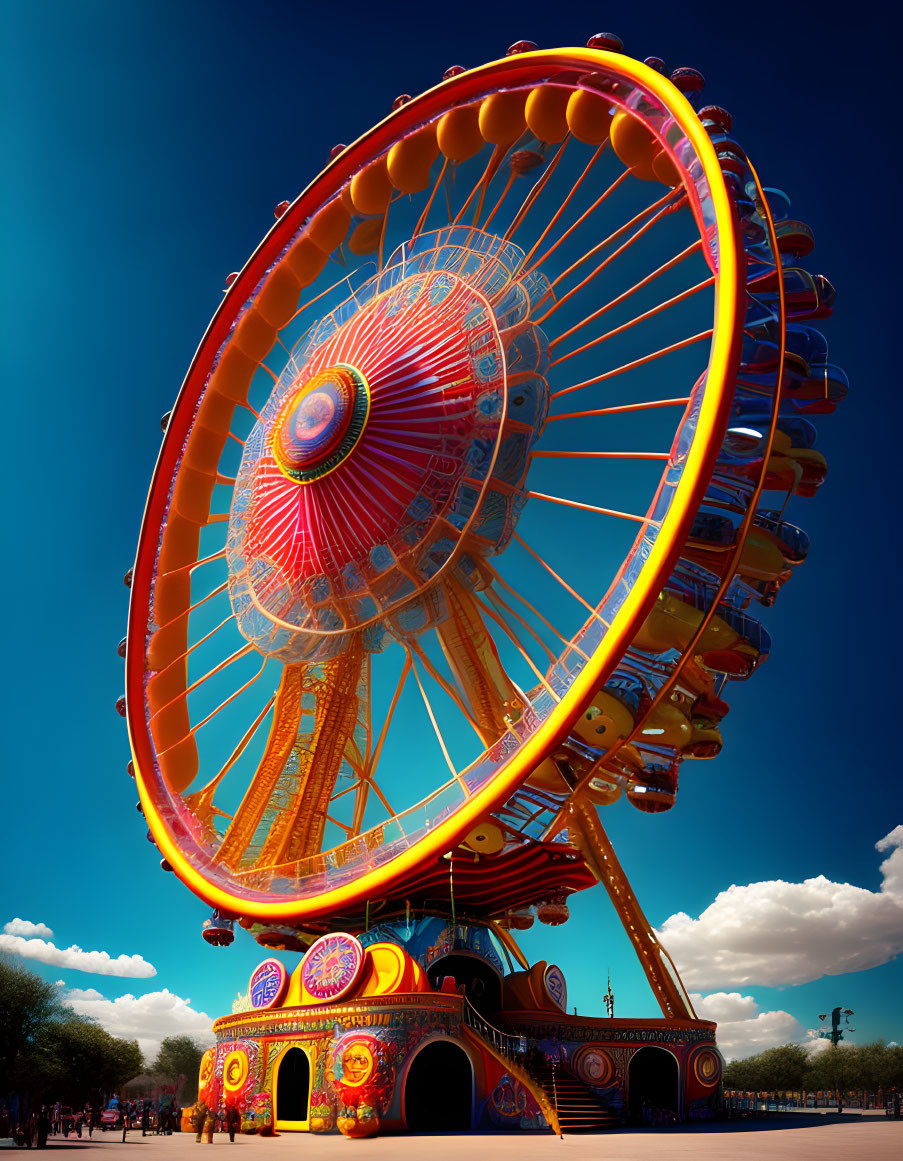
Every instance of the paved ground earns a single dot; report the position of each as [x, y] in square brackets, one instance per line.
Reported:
[777, 1137]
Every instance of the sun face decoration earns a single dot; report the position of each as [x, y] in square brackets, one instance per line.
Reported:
[357, 1064]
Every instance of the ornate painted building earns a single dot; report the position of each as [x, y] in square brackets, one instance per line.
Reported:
[426, 1026]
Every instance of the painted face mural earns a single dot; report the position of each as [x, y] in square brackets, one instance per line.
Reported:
[361, 1069]
[357, 1063]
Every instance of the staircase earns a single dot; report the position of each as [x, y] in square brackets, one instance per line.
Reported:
[567, 1104]
[579, 1109]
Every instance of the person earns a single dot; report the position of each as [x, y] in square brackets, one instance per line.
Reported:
[198, 1118]
[56, 1117]
[233, 1120]
[89, 1118]
[166, 1112]
[145, 1117]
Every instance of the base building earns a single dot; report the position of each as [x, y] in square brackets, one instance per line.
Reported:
[429, 1026]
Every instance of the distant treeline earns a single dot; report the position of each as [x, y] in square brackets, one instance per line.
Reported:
[846, 1068]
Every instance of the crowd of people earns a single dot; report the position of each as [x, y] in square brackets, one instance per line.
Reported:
[33, 1128]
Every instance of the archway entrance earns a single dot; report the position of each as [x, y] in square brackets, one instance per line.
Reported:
[653, 1081]
[482, 985]
[293, 1090]
[438, 1091]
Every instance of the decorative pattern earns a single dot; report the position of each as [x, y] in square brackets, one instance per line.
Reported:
[235, 1071]
[331, 967]
[707, 1067]
[556, 986]
[593, 1065]
[268, 983]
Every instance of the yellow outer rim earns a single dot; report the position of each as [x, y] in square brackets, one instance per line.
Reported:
[444, 837]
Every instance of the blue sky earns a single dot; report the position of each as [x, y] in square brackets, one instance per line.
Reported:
[146, 146]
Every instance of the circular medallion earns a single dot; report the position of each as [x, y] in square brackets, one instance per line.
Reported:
[594, 1066]
[556, 987]
[321, 423]
[235, 1071]
[332, 966]
[707, 1067]
[268, 983]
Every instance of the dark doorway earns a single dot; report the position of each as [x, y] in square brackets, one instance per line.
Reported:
[653, 1081]
[482, 985]
[438, 1093]
[292, 1088]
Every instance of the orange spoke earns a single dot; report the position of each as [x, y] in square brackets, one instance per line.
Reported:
[535, 191]
[651, 313]
[444, 685]
[691, 249]
[591, 508]
[228, 701]
[379, 794]
[523, 600]
[495, 599]
[632, 240]
[636, 363]
[598, 455]
[237, 655]
[429, 709]
[515, 640]
[310, 302]
[421, 222]
[542, 237]
[625, 407]
[492, 165]
[196, 564]
[340, 825]
[586, 213]
[191, 608]
[551, 571]
[200, 642]
[204, 797]
[495, 209]
[374, 760]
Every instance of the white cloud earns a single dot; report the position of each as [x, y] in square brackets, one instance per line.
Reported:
[742, 1029]
[147, 1019]
[776, 933]
[27, 928]
[100, 963]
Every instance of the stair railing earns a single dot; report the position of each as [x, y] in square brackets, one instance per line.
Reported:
[505, 1042]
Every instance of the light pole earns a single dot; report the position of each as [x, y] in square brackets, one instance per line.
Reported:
[836, 1032]
[835, 1035]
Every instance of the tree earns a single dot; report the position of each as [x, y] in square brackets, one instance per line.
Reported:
[47, 1050]
[842, 1067]
[27, 1004]
[79, 1059]
[180, 1056]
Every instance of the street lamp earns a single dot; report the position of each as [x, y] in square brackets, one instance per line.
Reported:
[836, 1032]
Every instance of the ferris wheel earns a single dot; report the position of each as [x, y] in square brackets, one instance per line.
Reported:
[466, 498]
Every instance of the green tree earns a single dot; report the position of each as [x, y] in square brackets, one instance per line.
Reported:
[180, 1056]
[47, 1050]
[27, 1004]
[845, 1067]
